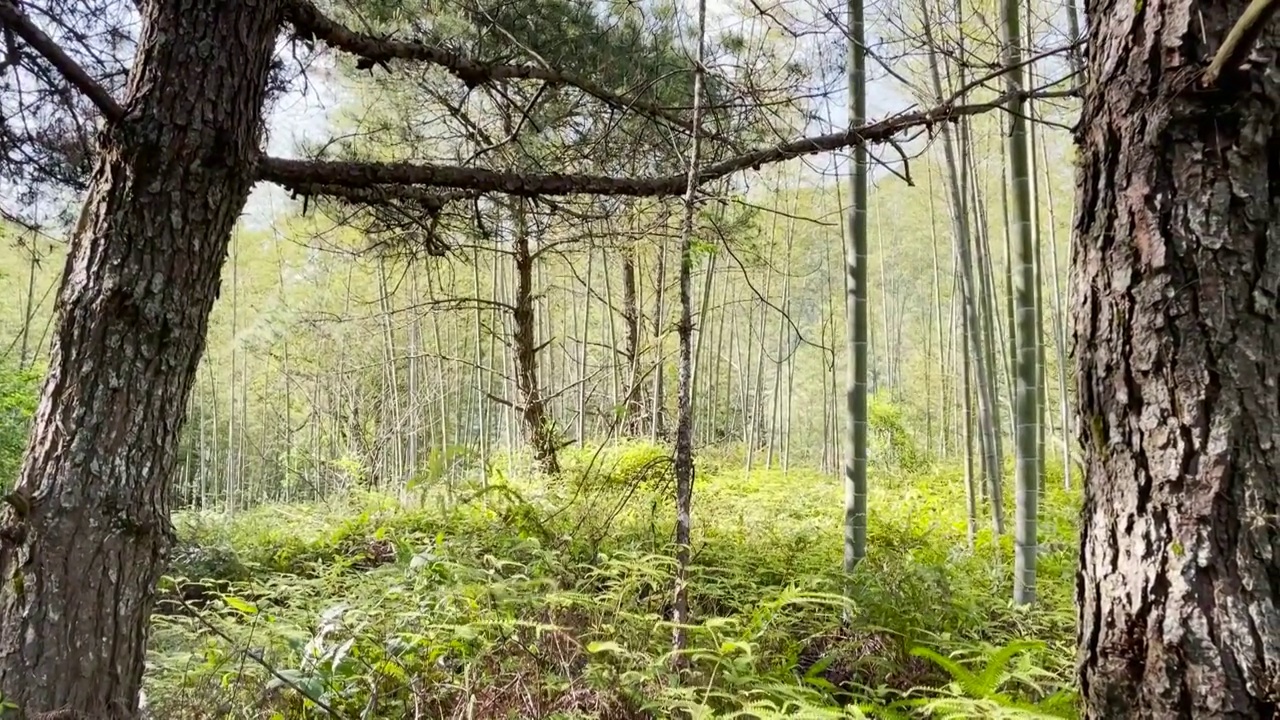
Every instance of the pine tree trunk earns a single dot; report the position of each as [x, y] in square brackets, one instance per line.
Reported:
[80, 564]
[1176, 277]
[533, 409]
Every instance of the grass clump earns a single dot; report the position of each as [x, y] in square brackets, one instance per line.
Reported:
[17, 407]
[550, 601]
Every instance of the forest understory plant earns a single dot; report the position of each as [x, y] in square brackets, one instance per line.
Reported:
[399, 610]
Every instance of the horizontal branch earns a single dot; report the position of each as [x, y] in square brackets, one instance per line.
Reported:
[13, 19]
[431, 202]
[346, 174]
[350, 174]
[311, 24]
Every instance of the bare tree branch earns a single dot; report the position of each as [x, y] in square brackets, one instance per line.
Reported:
[1005, 69]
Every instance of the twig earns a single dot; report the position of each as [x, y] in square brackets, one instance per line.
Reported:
[1240, 40]
[959, 94]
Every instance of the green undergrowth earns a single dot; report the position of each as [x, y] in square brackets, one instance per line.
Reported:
[17, 406]
[533, 599]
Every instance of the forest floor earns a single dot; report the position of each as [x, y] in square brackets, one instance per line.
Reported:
[547, 600]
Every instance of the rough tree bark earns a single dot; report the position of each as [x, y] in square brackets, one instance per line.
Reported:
[1177, 344]
[81, 552]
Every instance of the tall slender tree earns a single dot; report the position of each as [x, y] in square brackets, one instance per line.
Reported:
[1027, 375]
[983, 377]
[857, 314]
[684, 470]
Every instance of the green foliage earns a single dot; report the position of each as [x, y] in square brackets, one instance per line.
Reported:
[622, 465]
[984, 685]
[443, 464]
[525, 600]
[891, 443]
[18, 396]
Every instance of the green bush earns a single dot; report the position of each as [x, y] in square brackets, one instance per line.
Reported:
[19, 393]
[892, 446]
[619, 466]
